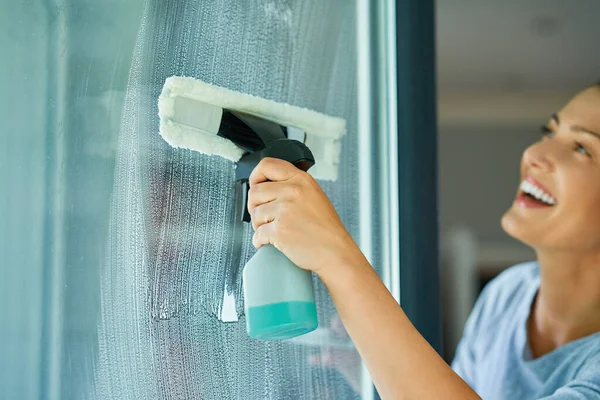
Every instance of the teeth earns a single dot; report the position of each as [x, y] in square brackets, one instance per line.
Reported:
[536, 192]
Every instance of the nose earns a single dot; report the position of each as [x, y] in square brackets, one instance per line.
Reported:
[538, 156]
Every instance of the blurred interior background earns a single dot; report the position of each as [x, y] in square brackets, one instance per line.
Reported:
[503, 68]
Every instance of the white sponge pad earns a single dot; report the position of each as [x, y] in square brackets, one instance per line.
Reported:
[323, 133]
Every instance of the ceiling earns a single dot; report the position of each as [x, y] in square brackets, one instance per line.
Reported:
[521, 57]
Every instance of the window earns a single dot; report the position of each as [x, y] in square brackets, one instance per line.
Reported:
[119, 276]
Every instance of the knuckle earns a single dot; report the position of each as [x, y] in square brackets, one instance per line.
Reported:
[304, 177]
[254, 214]
[255, 240]
[268, 162]
[259, 235]
[252, 193]
[306, 181]
[311, 182]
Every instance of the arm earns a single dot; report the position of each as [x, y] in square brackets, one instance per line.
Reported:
[290, 211]
[400, 361]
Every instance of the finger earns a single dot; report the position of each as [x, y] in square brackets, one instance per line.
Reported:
[272, 169]
[263, 214]
[261, 193]
[263, 235]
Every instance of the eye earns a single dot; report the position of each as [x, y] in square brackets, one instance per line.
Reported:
[546, 132]
[581, 149]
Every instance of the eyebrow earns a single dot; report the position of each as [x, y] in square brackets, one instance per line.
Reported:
[580, 129]
[576, 128]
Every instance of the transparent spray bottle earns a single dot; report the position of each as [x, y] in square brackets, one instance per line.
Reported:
[278, 295]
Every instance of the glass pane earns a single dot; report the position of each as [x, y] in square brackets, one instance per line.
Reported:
[121, 257]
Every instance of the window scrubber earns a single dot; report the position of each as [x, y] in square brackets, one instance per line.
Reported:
[278, 296]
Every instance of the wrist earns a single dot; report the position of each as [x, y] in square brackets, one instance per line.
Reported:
[345, 264]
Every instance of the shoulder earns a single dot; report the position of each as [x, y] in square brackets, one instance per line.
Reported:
[510, 286]
[507, 292]
[499, 302]
[590, 367]
[585, 383]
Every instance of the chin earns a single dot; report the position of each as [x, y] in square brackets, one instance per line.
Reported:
[516, 227]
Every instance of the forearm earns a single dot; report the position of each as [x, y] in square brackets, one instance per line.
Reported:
[401, 362]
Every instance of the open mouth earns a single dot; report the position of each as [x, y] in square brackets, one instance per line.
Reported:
[532, 194]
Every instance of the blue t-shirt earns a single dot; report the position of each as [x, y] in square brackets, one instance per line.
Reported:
[494, 358]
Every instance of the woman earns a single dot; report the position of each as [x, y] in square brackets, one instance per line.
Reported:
[534, 332]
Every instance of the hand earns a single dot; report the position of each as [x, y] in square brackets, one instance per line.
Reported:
[290, 211]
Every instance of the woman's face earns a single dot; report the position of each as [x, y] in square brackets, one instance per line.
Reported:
[563, 171]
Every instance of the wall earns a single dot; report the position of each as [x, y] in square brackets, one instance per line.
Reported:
[479, 176]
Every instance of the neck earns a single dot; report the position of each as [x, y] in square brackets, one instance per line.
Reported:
[567, 306]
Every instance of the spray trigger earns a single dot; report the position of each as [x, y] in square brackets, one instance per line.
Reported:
[243, 203]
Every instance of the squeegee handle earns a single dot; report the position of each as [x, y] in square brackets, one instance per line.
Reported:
[289, 150]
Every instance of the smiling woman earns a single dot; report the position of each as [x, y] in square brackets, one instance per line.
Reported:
[535, 331]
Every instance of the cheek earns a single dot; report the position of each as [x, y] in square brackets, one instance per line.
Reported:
[587, 207]
[581, 188]
[581, 213]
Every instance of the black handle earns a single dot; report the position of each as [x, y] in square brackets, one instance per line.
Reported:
[289, 150]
